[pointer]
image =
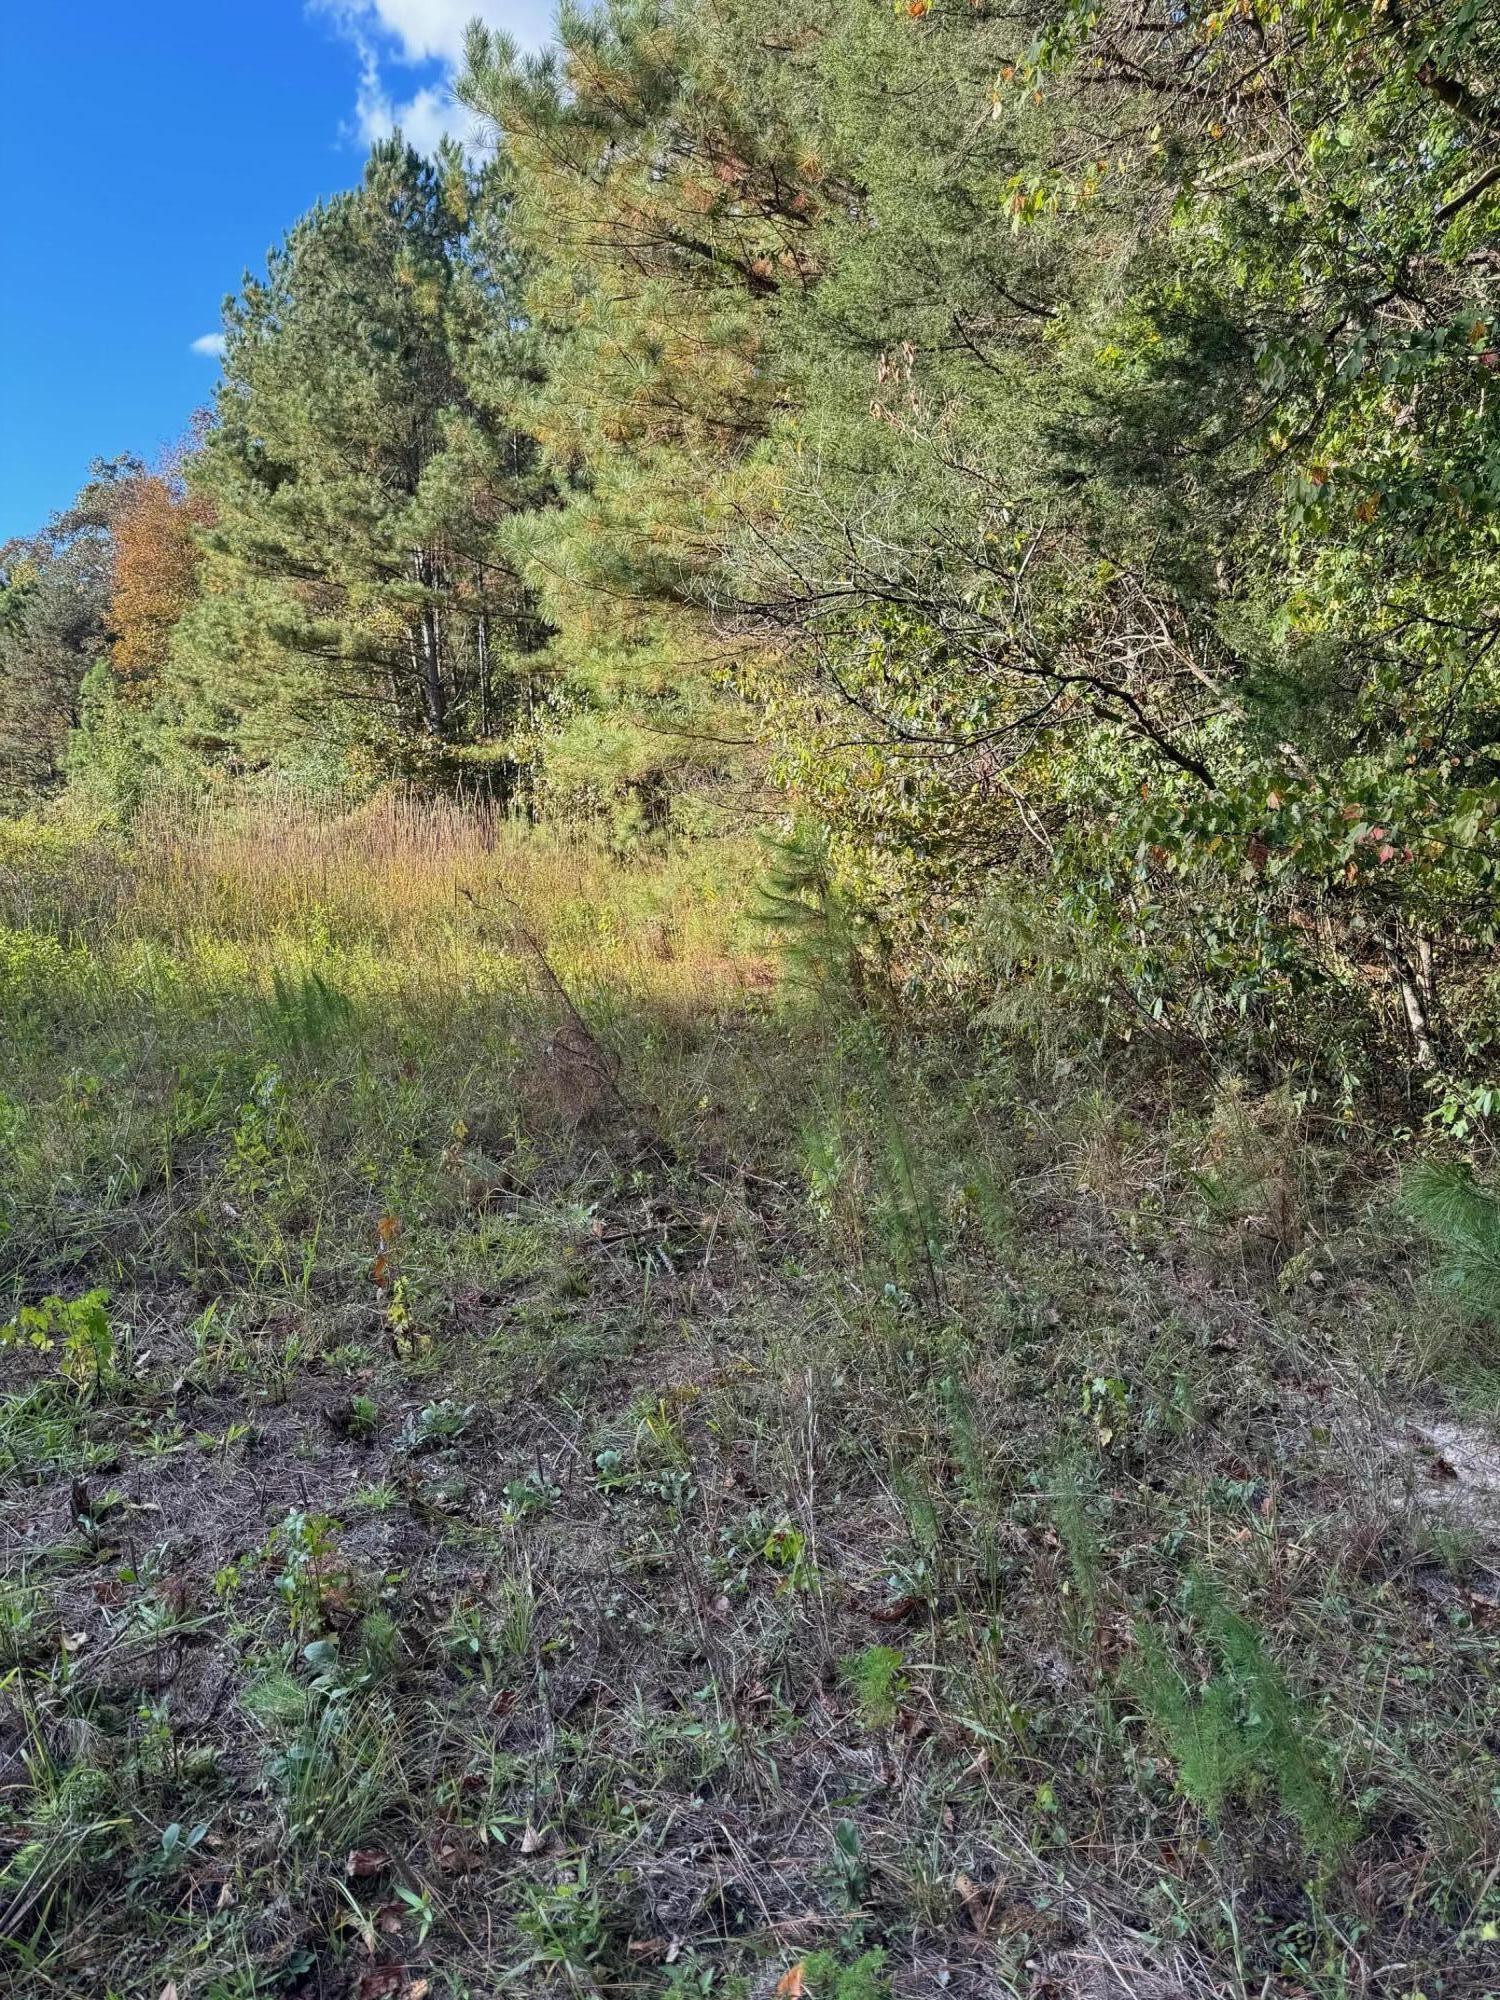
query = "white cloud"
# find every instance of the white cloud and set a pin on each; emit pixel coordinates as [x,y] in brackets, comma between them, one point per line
[211,344]
[424,119]
[422,32]
[429,115]
[433,30]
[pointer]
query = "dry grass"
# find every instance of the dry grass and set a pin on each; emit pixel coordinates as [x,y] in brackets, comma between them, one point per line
[419,883]
[610,1481]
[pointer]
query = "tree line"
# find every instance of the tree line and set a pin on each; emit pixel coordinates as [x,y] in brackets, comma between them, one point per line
[1052,443]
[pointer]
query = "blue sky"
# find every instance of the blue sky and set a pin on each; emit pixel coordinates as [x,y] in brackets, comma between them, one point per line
[149,153]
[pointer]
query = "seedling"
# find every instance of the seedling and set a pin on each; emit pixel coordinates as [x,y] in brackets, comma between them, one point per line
[81,1328]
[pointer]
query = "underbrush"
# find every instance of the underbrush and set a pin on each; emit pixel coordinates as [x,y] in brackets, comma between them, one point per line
[539,1458]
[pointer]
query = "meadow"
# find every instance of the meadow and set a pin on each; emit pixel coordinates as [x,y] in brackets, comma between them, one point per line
[550,1443]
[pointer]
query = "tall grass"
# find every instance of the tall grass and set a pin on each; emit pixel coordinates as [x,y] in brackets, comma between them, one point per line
[308,1005]
[399,887]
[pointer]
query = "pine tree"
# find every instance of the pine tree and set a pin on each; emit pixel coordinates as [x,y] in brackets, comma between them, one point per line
[666,202]
[363,454]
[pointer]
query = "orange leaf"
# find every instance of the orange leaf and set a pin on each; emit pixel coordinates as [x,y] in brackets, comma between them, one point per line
[793,1985]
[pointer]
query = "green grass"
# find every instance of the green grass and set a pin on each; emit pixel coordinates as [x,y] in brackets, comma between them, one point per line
[596,1473]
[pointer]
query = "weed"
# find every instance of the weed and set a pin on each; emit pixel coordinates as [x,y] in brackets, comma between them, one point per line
[81,1328]
[303,1012]
[21,1621]
[563,1923]
[850,1873]
[436,1424]
[877,1678]
[826,1976]
[337,1773]
[363,1419]
[532,1495]
[1242,1722]
[310,1577]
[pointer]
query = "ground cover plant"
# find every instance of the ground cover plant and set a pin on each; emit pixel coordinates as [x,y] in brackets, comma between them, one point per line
[551,1441]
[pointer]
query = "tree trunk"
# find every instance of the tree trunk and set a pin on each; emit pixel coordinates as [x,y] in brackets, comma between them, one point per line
[483,637]
[427,646]
[1418,990]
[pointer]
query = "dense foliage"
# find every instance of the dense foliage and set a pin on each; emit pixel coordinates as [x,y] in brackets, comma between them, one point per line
[1057,438]
[364,448]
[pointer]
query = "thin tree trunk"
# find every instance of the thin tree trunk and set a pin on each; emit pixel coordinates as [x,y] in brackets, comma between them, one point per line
[428,651]
[484,674]
[1418,990]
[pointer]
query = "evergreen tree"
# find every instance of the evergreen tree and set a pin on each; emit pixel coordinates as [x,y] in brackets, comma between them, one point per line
[364,450]
[665,200]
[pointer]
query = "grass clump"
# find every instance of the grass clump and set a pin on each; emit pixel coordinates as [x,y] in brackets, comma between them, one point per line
[878,1681]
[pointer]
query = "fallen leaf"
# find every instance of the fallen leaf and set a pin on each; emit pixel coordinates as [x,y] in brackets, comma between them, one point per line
[793,1985]
[896,1610]
[367,1861]
[979,1904]
[381,1980]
